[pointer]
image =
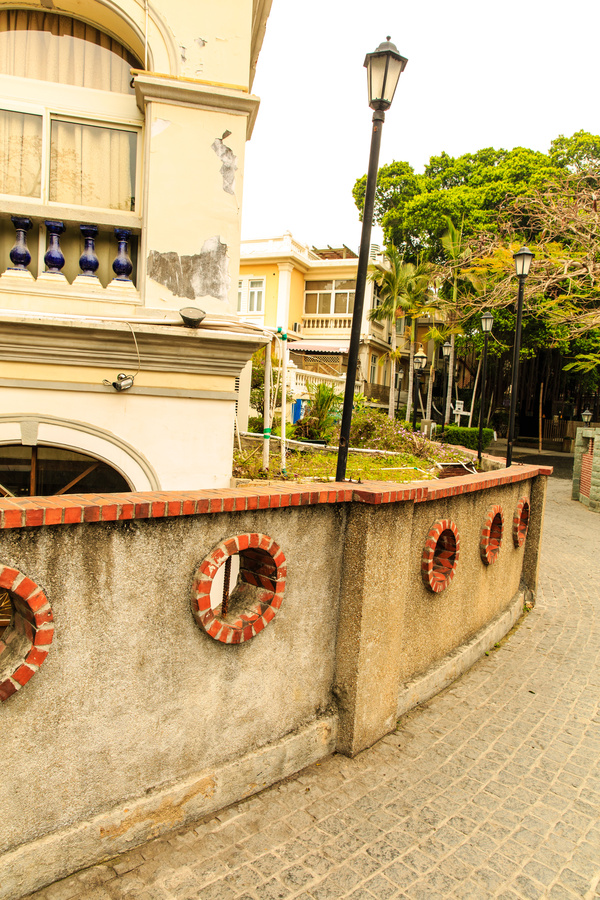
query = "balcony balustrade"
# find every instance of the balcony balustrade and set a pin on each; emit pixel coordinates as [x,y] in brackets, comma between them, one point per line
[57,254]
[319,324]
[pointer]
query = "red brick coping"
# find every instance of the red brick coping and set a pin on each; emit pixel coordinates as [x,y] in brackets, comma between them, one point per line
[491,536]
[521,522]
[25,642]
[256,597]
[73,509]
[440,555]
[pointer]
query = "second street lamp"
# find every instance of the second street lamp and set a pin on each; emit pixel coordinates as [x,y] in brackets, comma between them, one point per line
[419,363]
[522,260]
[487,322]
[384,68]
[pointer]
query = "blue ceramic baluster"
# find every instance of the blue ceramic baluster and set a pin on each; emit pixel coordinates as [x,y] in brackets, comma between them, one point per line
[20,255]
[122,266]
[54,257]
[88,261]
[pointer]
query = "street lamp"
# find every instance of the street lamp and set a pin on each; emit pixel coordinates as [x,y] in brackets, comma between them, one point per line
[522,260]
[419,363]
[487,321]
[384,68]
[446,348]
[586,415]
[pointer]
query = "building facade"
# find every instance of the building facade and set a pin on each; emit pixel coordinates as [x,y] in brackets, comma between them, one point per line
[122,135]
[309,293]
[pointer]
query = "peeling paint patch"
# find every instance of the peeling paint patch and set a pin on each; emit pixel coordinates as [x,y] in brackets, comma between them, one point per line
[201,42]
[182,51]
[229,162]
[158,126]
[203,274]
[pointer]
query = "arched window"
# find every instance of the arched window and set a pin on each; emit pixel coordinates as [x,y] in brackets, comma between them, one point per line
[51,471]
[69,131]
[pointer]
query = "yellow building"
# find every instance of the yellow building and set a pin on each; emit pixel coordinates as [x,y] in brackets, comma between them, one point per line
[309,293]
[122,135]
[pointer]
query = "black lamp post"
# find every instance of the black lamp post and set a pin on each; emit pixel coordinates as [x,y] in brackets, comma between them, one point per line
[446,348]
[419,363]
[487,321]
[384,68]
[522,260]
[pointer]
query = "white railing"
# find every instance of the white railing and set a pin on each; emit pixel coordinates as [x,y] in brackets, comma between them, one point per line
[299,379]
[326,323]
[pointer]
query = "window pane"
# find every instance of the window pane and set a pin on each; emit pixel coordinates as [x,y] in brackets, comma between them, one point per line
[341,303]
[50,47]
[345,285]
[20,154]
[351,302]
[319,285]
[310,303]
[324,305]
[92,166]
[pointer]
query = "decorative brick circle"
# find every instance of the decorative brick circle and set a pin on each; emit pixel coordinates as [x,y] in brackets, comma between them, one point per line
[256,596]
[491,536]
[25,640]
[440,555]
[521,522]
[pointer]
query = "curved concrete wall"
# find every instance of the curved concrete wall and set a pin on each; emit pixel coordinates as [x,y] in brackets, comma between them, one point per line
[145,715]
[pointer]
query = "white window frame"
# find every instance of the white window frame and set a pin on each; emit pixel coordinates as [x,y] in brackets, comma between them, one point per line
[84,106]
[332,293]
[251,288]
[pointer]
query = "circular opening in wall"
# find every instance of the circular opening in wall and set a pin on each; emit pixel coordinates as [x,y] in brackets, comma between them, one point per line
[239,588]
[26,630]
[521,522]
[6,611]
[440,555]
[491,536]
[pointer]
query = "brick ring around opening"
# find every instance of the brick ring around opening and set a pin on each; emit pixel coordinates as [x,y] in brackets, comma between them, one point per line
[491,536]
[521,522]
[440,555]
[25,641]
[256,596]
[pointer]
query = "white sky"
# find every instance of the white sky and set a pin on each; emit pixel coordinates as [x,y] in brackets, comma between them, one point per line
[479,74]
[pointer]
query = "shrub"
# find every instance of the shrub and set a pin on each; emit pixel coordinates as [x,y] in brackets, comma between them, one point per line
[318,422]
[255,424]
[372,428]
[467,437]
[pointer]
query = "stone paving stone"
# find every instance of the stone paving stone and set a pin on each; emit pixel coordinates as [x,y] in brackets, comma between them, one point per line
[489,790]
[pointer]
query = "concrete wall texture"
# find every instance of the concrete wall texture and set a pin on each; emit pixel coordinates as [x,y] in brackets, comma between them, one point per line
[586,468]
[139,720]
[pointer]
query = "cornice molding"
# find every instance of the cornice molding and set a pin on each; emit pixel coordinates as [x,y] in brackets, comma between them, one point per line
[151,86]
[162,348]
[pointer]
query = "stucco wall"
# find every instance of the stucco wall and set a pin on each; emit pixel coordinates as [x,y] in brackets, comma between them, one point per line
[138,720]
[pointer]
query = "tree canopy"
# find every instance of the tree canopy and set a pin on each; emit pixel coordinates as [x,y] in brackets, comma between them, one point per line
[470,189]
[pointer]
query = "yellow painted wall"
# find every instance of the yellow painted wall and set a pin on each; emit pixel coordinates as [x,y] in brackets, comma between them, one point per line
[270,273]
[96,375]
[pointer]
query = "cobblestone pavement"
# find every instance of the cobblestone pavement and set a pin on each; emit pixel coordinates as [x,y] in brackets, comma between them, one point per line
[492,789]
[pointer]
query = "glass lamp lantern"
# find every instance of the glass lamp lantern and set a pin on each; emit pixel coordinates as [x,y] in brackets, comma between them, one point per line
[420,360]
[384,68]
[487,322]
[522,260]
[586,415]
[446,348]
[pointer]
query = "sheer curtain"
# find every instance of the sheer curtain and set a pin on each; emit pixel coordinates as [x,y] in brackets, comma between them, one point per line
[20,154]
[58,48]
[90,165]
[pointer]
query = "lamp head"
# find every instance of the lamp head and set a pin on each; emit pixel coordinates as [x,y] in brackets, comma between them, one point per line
[384,68]
[446,348]
[586,415]
[420,360]
[487,322]
[522,260]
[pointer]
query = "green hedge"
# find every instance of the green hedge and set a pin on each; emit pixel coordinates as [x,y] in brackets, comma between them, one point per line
[467,437]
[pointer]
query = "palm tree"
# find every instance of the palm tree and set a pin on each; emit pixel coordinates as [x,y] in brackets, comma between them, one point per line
[454,272]
[403,291]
